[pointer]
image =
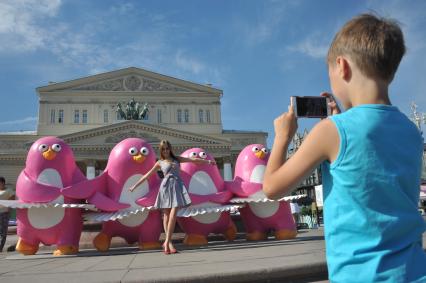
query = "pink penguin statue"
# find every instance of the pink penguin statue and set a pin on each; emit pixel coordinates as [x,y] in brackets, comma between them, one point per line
[50,167]
[259,217]
[128,161]
[205,187]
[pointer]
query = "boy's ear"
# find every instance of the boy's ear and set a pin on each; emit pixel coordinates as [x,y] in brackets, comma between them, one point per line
[344,68]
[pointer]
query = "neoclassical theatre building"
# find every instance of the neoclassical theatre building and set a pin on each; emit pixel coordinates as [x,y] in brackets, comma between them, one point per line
[82,112]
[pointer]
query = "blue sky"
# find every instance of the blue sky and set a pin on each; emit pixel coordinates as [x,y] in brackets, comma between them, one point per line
[258,52]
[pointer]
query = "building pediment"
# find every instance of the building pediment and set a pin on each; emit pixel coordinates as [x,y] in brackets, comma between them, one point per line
[128,80]
[106,137]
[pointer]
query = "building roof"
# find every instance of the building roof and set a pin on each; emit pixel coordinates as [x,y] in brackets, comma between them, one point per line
[243,132]
[72,84]
[19,133]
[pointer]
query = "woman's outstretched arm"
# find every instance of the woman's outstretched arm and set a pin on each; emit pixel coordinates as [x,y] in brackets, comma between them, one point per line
[195,160]
[146,176]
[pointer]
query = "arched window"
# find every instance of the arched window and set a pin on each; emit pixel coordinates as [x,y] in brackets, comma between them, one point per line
[179,116]
[186,116]
[201,115]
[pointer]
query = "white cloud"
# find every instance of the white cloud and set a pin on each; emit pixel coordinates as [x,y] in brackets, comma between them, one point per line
[122,8]
[262,31]
[266,24]
[187,63]
[411,18]
[19,27]
[150,49]
[27,120]
[410,76]
[33,26]
[312,46]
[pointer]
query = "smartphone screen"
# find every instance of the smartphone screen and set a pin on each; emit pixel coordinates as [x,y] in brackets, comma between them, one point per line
[311,106]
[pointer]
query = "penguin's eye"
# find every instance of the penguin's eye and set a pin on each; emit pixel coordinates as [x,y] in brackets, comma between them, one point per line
[255,149]
[144,151]
[43,147]
[133,151]
[203,155]
[192,155]
[56,147]
[265,150]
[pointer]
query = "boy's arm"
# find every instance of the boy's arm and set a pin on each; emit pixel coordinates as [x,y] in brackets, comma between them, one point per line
[282,176]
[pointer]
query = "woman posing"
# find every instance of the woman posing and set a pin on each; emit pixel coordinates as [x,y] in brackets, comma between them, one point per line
[172,194]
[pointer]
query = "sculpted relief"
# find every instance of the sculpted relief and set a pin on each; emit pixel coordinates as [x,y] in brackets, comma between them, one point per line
[242,142]
[131,83]
[131,134]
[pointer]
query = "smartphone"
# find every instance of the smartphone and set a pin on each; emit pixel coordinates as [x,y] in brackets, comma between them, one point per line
[311,106]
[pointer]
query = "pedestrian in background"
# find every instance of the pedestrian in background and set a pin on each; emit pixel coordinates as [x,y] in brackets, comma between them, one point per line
[5,194]
[295,211]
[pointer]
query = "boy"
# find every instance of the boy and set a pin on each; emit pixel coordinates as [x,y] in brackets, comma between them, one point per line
[371,159]
[5,194]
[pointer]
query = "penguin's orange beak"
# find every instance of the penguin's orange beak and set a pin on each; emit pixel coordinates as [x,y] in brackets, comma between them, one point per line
[139,158]
[49,154]
[260,154]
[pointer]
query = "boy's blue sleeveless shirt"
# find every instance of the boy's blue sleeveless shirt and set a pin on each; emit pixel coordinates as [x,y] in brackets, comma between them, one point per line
[373,229]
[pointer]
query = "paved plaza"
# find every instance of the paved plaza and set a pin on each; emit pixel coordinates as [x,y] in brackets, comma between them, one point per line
[298,260]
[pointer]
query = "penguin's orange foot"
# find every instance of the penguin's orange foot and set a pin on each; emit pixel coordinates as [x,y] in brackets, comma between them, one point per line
[26,249]
[102,242]
[256,236]
[149,245]
[231,233]
[285,234]
[65,250]
[195,240]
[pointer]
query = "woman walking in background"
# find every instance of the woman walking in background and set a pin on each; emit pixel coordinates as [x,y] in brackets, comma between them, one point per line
[172,194]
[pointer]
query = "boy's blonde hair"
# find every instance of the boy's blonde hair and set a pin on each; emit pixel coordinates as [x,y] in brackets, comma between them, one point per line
[376,45]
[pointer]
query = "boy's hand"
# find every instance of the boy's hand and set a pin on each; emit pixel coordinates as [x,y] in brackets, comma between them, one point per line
[333,105]
[285,126]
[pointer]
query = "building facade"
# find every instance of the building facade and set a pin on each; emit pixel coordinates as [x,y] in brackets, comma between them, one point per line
[82,112]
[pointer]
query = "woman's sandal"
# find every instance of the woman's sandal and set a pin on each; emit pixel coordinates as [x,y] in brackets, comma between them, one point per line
[173,250]
[166,250]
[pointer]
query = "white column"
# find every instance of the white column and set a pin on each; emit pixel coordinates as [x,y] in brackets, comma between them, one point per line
[227,171]
[90,170]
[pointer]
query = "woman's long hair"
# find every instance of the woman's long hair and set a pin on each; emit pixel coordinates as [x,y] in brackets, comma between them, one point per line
[166,144]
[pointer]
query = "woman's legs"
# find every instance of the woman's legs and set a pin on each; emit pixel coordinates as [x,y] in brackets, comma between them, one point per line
[166,213]
[171,227]
[166,216]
